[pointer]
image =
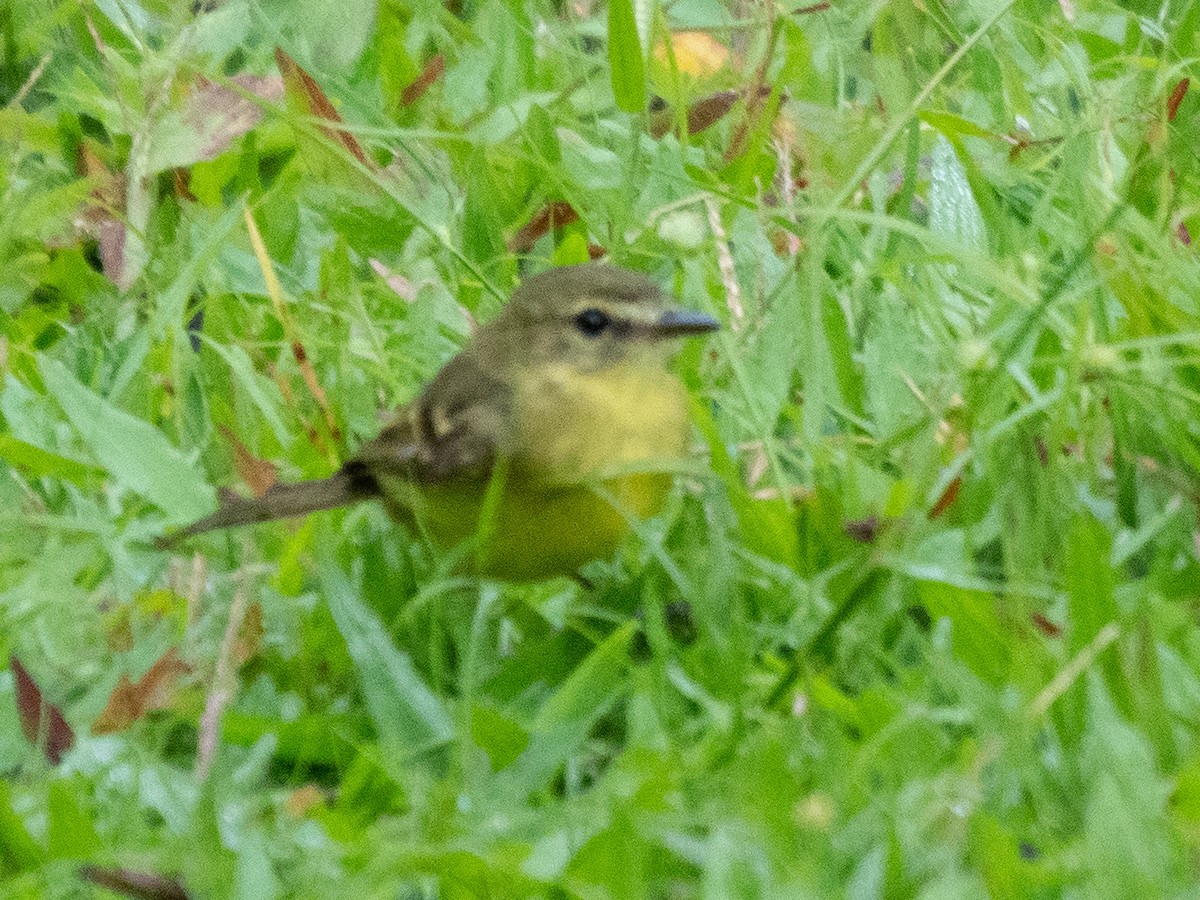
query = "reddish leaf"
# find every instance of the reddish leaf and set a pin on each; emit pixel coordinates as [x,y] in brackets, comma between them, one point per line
[432,72]
[317,103]
[132,700]
[112,252]
[553,215]
[1185,236]
[1176,98]
[944,502]
[702,114]
[259,474]
[139,885]
[1045,626]
[709,110]
[813,8]
[40,721]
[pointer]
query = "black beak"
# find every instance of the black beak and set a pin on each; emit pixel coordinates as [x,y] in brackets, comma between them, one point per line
[675,323]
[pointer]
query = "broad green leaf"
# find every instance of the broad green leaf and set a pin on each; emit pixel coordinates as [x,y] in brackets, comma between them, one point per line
[768,526]
[18,851]
[979,640]
[335,34]
[1090,580]
[564,721]
[172,301]
[134,453]
[953,210]
[72,834]
[262,391]
[409,718]
[38,463]
[1126,840]
[953,126]
[625,57]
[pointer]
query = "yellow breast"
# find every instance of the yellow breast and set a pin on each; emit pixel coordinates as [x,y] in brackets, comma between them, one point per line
[574,426]
[573,482]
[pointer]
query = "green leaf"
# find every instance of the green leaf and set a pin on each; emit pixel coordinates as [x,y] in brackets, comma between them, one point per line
[953,210]
[72,835]
[409,718]
[625,57]
[262,391]
[953,126]
[1090,581]
[768,526]
[979,640]
[131,450]
[18,852]
[565,720]
[38,463]
[1126,839]
[172,301]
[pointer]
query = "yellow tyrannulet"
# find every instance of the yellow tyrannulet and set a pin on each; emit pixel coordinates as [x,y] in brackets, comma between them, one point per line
[550,429]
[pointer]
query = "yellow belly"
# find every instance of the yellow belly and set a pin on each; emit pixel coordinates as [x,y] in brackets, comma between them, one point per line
[537,532]
[572,483]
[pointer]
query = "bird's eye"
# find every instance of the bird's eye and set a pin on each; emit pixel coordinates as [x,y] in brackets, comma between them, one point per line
[592,322]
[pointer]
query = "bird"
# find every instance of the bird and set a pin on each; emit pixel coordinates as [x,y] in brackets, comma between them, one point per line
[542,440]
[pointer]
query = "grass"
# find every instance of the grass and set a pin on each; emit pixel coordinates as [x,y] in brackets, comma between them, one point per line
[921,618]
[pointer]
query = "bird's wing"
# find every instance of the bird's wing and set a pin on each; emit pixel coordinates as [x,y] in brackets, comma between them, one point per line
[455,429]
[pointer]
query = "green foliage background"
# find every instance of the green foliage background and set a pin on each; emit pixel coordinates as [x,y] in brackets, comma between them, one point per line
[942,562]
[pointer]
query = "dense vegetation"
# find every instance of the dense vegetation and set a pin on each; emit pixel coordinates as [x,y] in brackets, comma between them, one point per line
[921,617]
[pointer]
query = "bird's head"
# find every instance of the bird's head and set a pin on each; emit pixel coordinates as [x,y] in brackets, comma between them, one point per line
[595,316]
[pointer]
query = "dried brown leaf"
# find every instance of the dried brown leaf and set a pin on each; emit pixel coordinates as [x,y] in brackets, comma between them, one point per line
[944,502]
[432,72]
[317,103]
[707,111]
[865,531]
[554,214]
[131,700]
[260,475]
[1176,98]
[102,213]
[1045,626]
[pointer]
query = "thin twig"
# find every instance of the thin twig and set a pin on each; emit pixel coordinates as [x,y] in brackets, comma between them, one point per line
[733,295]
[31,80]
[1072,670]
[224,680]
[275,292]
[195,588]
[787,192]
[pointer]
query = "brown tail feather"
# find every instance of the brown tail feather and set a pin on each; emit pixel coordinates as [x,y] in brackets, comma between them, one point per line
[281,502]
